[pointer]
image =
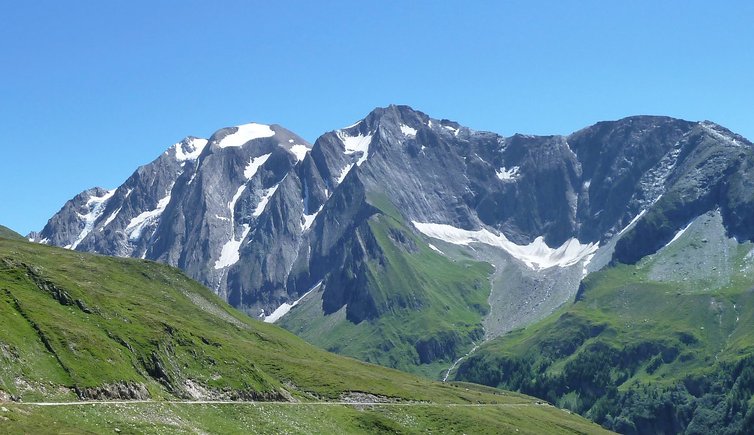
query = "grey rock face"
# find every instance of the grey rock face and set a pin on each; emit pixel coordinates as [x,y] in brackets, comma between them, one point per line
[261,216]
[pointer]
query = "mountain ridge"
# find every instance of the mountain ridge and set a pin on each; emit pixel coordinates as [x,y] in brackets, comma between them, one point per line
[612,192]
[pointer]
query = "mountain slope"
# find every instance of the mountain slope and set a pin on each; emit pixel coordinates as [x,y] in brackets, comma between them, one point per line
[353,229]
[82,326]
[8,233]
[661,346]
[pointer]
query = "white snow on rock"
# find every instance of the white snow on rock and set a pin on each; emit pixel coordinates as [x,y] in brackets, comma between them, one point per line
[344,172]
[190,150]
[283,309]
[632,223]
[299,151]
[96,206]
[452,129]
[137,224]
[309,219]
[231,250]
[111,217]
[408,131]
[254,164]
[265,199]
[678,235]
[435,248]
[536,255]
[507,174]
[245,133]
[354,144]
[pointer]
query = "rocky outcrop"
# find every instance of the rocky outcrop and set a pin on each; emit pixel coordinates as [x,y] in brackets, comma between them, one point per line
[115,391]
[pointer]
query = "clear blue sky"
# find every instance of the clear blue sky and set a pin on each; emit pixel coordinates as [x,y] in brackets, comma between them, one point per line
[89,90]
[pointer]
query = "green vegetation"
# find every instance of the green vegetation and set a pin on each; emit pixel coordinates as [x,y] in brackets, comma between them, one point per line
[8,233]
[429,307]
[76,325]
[276,418]
[646,348]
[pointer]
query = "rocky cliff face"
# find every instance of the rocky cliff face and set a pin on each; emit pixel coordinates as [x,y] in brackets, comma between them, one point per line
[262,217]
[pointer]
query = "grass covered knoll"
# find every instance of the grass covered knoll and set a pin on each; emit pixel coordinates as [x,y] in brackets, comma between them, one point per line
[80,326]
[664,346]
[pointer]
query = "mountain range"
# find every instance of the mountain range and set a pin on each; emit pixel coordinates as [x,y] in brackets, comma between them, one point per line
[409,241]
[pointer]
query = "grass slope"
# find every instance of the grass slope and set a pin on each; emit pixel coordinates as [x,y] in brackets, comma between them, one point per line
[432,306]
[307,418]
[8,233]
[647,348]
[76,325]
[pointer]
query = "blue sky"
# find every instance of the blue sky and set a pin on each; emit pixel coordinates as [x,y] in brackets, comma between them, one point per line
[89,90]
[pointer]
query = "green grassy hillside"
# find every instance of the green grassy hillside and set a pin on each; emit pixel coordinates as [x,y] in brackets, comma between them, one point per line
[8,233]
[663,346]
[429,307]
[76,326]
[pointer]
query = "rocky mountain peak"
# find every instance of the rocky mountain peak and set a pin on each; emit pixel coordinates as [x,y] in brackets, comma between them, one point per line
[263,218]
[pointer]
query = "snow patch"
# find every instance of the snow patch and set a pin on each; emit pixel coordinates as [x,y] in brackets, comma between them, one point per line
[309,219]
[632,223]
[299,151]
[452,129]
[354,144]
[408,131]
[245,133]
[435,248]
[137,224]
[111,217]
[344,172]
[283,309]
[536,255]
[678,235]
[190,150]
[507,174]
[265,199]
[254,164]
[585,270]
[96,206]
[231,250]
